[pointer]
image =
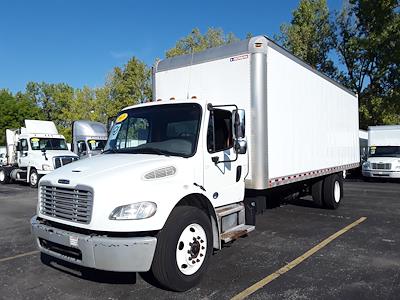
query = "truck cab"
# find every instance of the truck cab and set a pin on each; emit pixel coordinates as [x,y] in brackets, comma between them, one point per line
[88,138]
[383,152]
[167,165]
[34,151]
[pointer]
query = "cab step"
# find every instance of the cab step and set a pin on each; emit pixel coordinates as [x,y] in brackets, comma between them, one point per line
[236,232]
[228,209]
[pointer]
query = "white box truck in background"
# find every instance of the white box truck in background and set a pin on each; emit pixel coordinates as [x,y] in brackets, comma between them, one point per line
[245,118]
[383,152]
[33,151]
[88,138]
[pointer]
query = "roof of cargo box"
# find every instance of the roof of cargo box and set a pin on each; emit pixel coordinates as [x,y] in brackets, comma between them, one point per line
[384,127]
[89,128]
[38,126]
[233,49]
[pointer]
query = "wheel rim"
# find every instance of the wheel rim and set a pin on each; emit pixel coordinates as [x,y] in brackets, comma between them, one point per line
[191,249]
[33,178]
[2,175]
[336,192]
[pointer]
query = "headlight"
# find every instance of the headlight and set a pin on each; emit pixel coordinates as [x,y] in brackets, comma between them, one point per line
[134,211]
[366,165]
[398,167]
[46,168]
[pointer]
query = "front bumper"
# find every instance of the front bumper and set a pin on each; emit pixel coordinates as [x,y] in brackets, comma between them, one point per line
[119,254]
[381,173]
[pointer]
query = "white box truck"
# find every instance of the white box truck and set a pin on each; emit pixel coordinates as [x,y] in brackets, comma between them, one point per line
[383,152]
[88,138]
[185,173]
[33,151]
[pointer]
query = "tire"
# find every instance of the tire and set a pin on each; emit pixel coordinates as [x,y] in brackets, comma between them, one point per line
[317,193]
[33,178]
[174,243]
[4,176]
[333,191]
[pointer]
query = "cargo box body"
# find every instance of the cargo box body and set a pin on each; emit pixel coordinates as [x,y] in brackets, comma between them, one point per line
[386,135]
[299,123]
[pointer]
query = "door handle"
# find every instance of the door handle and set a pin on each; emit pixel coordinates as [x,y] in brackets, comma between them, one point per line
[238,173]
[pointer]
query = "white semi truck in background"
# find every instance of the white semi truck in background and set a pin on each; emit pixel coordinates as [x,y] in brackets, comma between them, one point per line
[228,129]
[383,152]
[88,138]
[33,151]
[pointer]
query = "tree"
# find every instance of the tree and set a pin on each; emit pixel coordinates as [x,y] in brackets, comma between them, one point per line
[310,35]
[51,98]
[368,43]
[127,86]
[14,110]
[196,42]
[82,106]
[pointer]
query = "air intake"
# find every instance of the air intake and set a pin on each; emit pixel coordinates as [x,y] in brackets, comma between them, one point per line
[160,173]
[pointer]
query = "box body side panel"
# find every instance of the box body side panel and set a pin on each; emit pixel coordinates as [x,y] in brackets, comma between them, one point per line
[312,123]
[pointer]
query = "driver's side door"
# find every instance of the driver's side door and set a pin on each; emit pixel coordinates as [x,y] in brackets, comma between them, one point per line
[23,158]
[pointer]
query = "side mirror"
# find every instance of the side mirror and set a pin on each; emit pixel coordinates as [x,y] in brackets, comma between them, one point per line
[241,147]
[19,148]
[238,124]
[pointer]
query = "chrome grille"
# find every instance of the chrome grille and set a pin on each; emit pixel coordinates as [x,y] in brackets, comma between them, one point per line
[60,161]
[381,166]
[66,203]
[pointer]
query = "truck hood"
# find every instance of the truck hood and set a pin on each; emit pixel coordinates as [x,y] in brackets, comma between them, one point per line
[93,170]
[392,160]
[54,153]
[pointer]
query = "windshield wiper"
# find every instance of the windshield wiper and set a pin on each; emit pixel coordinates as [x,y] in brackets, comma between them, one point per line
[150,150]
[111,150]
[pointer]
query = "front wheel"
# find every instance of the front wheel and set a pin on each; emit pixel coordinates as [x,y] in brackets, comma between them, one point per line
[4,177]
[33,178]
[183,249]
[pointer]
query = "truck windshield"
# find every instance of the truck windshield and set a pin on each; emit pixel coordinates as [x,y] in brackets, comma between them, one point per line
[96,145]
[48,144]
[384,151]
[169,129]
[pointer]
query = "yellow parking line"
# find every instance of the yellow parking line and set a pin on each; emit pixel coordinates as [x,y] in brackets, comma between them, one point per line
[18,255]
[258,285]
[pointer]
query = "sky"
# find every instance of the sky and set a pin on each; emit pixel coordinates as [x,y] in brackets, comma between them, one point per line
[79,42]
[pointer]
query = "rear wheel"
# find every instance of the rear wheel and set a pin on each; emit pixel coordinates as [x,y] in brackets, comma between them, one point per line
[33,178]
[333,191]
[4,176]
[183,249]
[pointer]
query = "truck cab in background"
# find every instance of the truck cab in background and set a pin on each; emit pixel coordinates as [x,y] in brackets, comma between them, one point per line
[34,151]
[88,138]
[383,152]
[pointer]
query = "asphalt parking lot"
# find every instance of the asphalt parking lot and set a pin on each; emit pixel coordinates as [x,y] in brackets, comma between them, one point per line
[362,263]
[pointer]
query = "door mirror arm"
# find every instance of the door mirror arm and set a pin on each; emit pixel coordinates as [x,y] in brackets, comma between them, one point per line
[216,160]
